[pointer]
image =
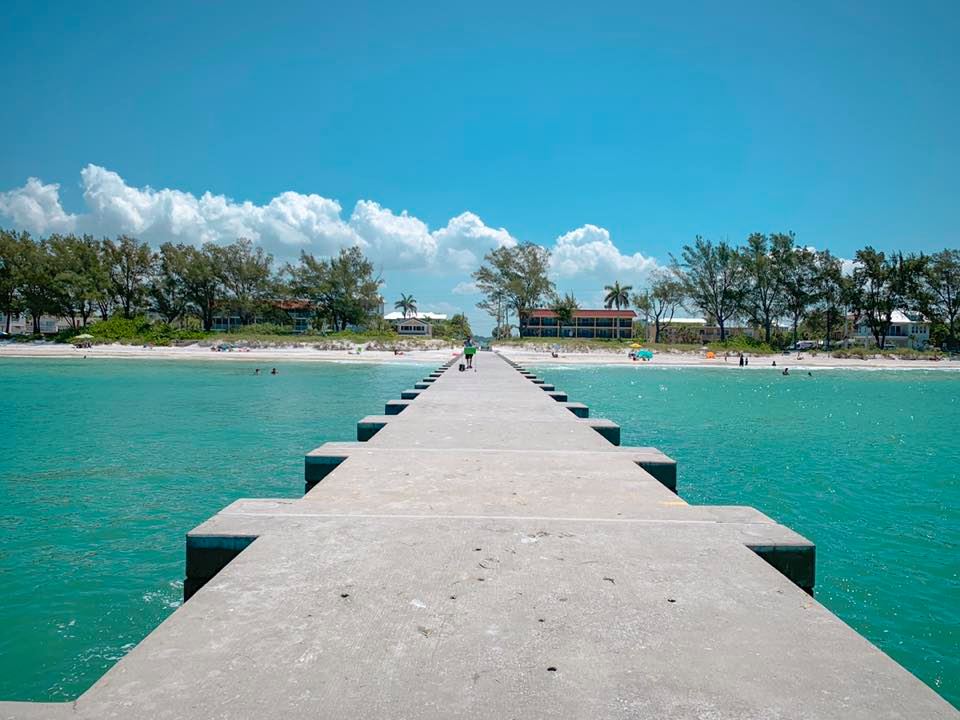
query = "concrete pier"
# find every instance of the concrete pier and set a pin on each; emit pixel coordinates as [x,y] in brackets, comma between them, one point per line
[489,552]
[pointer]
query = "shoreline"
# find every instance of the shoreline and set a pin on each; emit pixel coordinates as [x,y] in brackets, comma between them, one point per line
[598,358]
[697,360]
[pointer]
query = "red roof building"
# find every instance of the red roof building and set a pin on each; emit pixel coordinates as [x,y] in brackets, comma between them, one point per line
[586,324]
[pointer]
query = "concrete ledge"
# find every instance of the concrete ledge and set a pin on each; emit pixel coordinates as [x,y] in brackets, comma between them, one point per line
[558,395]
[547,386]
[395,407]
[429,380]
[370,425]
[537,381]
[209,554]
[410,394]
[657,464]
[321,461]
[421,386]
[607,428]
[798,563]
[578,409]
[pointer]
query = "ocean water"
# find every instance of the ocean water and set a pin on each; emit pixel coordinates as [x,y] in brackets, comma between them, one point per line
[864,463]
[105,465]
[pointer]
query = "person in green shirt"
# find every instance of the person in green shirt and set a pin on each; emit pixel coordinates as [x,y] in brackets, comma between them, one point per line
[469,350]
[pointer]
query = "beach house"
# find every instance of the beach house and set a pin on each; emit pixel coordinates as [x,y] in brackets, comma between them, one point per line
[418,324]
[298,313]
[585,324]
[22,324]
[907,330]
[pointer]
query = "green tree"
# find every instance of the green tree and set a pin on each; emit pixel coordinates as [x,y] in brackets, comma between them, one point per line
[800,285]
[168,289]
[200,274]
[35,272]
[407,304]
[618,295]
[129,264]
[882,285]
[514,278]
[833,290]
[763,263]
[246,273]
[939,296]
[565,309]
[660,300]
[344,288]
[460,327]
[11,249]
[714,279]
[80,280]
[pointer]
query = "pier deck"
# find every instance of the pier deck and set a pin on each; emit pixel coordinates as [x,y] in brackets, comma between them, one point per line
[487,553]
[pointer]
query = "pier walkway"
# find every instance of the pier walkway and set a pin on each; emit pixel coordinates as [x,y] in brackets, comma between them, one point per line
[486,550]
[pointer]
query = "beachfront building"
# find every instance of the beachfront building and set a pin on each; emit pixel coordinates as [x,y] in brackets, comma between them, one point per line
[414,327]
[298,313]
[418,324]
[22,324]
[695,330]
[586,324]
[907,330]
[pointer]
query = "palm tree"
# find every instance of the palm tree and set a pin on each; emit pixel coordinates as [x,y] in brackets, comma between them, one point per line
[407,304]
[618,295]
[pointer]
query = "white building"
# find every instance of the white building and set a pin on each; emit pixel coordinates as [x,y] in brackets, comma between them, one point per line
[397,316]
[907,329]
[414,324]
[22,324]
[414,327]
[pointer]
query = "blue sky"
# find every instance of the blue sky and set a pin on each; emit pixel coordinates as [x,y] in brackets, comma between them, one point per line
[622,129]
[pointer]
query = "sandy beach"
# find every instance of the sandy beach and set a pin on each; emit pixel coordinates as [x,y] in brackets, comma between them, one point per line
[202,353]
[807,361]
[527,356]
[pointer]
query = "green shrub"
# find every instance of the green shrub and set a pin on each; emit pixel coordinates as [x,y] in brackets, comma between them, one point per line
[742,343]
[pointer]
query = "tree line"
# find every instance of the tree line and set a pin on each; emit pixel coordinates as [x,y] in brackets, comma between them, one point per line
[82,278]
[767,280]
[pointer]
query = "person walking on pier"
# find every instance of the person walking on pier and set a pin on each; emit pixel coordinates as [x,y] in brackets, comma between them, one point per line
[469,350]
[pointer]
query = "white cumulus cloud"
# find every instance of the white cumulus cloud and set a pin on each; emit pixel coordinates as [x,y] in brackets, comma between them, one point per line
[466,287]
[36,207]
[588,250]
[288,223]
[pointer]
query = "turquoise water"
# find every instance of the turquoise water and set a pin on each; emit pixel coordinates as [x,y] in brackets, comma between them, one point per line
[864,463]
[107,464]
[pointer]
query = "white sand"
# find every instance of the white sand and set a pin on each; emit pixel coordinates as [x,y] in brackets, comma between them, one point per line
[808,361]
[196,352]
[523,355]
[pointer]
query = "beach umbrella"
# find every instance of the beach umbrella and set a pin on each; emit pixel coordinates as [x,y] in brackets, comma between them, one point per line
[645,354]
[84,336]
[636,345]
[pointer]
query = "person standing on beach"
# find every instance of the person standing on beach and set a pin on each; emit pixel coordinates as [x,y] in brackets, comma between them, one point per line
[741,359]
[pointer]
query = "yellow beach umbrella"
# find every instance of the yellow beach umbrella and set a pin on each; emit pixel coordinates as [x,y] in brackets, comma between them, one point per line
[636,345]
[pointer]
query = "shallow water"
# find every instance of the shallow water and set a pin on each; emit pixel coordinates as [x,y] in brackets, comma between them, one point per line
[864,463]
[107,464]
